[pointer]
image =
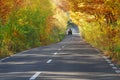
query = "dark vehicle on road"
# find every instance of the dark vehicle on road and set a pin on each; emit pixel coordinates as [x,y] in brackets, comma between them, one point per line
[69,32]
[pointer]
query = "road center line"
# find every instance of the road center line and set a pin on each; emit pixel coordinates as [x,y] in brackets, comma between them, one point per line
[114,68]
[111,65]
[104,57]
[50,60]
[97,50]
[109,62]
[35,76]
[59,49]
[55,53]
[117,71]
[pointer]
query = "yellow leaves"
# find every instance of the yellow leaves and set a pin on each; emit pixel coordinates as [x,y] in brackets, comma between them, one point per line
[30,23]
[100,21]
[81,18]
[76,17]
[49,25]
[63,4]
[60,18]
[20,21]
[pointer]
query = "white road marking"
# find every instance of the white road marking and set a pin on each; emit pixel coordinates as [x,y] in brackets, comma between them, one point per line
[107,60]
[117,71]
[4,58]
[14,55]
[50,60]
[111,64]
[97,50]
[104,57]
[35,76]
[114,68]
[59,49]
[55,53]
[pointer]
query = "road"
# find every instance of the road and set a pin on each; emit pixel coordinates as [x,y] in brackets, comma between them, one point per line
[71,59]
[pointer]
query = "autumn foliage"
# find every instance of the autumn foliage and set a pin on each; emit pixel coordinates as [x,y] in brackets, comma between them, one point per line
[29,23]
[25,24]
[99,22]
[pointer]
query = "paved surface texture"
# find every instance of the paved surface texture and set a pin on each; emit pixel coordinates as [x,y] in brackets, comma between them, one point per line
[71,59]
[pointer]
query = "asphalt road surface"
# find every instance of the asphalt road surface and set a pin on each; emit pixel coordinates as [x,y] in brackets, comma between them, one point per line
[71,59]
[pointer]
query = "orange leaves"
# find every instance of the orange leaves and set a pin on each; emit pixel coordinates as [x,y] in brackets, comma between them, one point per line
[49,24]
[98,1]
[18,2]
[63,4]
[5,8]
[104,23]
[109,9]
[94,6]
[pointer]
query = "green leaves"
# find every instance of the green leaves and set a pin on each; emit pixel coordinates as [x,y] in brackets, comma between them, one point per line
[28,24]
[102,30]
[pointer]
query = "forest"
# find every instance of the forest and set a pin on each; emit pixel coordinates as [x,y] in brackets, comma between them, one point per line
[99,23]
[25,24]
